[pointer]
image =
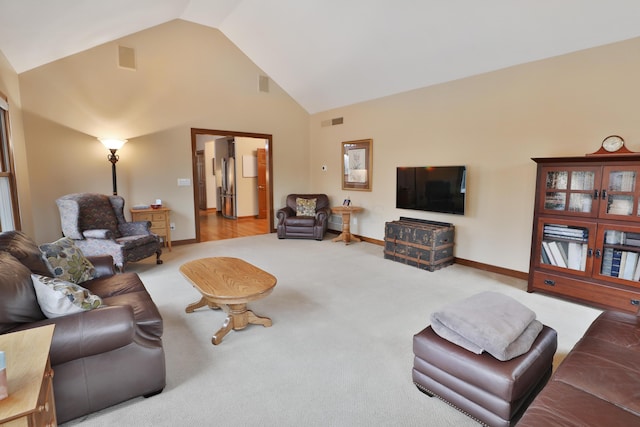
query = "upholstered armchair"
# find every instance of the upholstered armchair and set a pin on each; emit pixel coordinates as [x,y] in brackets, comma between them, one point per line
[306,216]
[97,225]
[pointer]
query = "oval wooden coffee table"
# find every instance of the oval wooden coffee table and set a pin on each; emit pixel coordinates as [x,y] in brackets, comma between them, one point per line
[229,283]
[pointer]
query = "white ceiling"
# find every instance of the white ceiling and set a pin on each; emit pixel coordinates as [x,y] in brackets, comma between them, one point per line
[332,53]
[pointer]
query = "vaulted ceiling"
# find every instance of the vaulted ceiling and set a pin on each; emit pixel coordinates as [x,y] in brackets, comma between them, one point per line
[332,53]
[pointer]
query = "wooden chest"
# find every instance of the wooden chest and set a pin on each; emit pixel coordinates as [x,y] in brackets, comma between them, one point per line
[420,243]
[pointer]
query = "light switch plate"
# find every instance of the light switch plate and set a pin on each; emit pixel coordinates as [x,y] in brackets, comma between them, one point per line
[184,182]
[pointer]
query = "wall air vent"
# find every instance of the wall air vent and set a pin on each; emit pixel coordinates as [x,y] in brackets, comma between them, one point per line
[332,122]
[263,84]
[126,57]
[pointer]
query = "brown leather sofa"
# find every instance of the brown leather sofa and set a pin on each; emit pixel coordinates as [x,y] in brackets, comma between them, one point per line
[598,382]
[292,226]
[100,357]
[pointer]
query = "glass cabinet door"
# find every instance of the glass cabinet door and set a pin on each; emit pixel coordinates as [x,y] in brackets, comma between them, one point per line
[571,191]
[618,253]
[619,195]
[566,245]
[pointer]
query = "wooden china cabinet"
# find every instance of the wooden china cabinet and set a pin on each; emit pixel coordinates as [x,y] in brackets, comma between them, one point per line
[586,230]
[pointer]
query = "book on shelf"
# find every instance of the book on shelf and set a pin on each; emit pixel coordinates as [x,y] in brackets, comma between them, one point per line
[557,255]
[614,237]
[566,232]
[622,180]
[630,265]
[557,179]
[623,263]
[632,239]
[620,207]
[574,255]
[636,274]
[562,247]
[583,260]
[607,260]
[547,256]
[615,263]
[544,255]
[582,180]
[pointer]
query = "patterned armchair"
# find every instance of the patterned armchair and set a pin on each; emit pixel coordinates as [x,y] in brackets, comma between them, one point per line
[97,225]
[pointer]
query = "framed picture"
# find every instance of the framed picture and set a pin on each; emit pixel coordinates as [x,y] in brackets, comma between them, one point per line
[357,159]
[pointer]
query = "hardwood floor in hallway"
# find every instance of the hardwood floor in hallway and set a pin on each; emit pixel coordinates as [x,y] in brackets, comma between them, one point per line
[215,227]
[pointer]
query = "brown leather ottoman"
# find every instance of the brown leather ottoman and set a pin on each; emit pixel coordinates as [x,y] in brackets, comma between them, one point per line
[492,392]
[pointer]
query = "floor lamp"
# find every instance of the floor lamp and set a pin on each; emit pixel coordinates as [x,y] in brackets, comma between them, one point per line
[113,145]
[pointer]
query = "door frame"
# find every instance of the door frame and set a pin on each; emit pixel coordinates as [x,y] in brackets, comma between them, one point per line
[268,147]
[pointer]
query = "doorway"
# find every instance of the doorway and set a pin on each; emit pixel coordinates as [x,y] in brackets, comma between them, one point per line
[210,224]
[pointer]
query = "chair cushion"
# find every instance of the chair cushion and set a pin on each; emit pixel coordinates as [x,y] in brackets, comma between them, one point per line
[305,207]
[59,298]
[300,221]
[67,262]
[130,242]
[96,212]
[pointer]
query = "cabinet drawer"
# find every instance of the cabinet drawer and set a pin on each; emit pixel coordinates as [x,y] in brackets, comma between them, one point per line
[621,299]
[160,231]
[149,216]
[142,217]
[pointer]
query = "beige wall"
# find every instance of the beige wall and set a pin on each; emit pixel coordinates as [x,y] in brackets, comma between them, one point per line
[192,76]
[188,76]
[494,124]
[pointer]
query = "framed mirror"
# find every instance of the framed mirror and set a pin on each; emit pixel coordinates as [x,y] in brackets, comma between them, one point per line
[357,160]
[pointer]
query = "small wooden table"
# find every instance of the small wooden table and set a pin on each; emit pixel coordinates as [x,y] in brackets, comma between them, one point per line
[346,212]
[160,222]
[229,283]
[29,374]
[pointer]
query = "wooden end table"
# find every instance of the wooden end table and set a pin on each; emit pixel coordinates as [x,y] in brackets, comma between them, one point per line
[29,374]
[346,212]
[229,283]
[160,222]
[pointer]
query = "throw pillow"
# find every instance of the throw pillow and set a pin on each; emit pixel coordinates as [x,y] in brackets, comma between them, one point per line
[66,261]
[59,298]
[305,207]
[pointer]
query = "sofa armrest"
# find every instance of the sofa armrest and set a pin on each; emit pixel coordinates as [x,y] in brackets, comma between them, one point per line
[284,213]
[98,233]
[89,333]
[103,264]
[323,214]
[135,228]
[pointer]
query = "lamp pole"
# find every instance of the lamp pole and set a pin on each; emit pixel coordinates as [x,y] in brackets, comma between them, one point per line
[113,158]
[113,145]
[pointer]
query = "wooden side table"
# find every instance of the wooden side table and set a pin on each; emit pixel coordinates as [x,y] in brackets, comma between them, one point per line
[160,222]
[346,212]
[30,402]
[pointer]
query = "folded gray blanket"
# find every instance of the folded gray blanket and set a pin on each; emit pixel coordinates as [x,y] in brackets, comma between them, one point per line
[488,321]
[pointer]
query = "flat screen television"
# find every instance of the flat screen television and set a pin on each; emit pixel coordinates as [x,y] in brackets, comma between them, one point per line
[432,188]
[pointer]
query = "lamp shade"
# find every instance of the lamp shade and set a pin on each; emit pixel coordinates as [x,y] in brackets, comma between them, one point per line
[112,143]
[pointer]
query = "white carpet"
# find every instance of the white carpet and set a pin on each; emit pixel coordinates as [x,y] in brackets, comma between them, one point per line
[339,352]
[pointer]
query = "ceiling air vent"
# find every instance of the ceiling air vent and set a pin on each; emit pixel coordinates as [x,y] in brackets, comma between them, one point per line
[126,58]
